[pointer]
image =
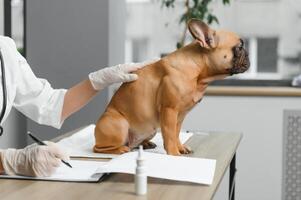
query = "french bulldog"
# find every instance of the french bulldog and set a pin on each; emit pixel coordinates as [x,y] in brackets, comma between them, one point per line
[167,90]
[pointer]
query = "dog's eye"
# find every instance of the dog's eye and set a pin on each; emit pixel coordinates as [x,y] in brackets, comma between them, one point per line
[241,45]
[237,50]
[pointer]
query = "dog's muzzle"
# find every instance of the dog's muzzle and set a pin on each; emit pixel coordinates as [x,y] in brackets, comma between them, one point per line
[241,62]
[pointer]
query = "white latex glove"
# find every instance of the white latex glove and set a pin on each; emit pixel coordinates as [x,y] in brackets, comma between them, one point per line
[116,74]
[34,160]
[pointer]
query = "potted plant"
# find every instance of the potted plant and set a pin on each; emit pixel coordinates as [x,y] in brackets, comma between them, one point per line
[198,9]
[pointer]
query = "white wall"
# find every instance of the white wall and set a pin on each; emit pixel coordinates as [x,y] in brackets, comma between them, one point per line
[116,32]
[259,157]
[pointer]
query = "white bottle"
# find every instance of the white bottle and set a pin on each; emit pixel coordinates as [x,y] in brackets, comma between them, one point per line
[140,177]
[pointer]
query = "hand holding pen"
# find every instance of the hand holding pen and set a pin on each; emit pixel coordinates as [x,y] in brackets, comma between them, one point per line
[40,142]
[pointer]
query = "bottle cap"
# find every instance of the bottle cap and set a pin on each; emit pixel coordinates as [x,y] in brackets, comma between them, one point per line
[140,151]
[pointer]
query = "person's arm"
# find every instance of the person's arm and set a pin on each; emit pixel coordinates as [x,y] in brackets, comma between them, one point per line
[80,94]
[77,97]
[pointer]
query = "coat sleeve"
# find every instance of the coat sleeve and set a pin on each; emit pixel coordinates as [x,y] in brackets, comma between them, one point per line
[35,97]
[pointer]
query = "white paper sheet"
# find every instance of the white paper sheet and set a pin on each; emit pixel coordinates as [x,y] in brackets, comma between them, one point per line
[81,143]
[179,168]
[195,170]
[81,171]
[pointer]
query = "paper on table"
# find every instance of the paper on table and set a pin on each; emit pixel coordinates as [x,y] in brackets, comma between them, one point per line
[81,143]
[81,171]
[195,170]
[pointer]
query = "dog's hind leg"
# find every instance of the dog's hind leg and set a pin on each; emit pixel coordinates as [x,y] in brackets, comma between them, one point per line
[147,144]
[111,134]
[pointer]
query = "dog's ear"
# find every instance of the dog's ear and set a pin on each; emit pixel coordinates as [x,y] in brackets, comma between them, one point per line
[202,33]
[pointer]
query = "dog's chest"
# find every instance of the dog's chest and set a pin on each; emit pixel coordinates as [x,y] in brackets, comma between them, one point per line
[191,98]
[191,91]
[197,96]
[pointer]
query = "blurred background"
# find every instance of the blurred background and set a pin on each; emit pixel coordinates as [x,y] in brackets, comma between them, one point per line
[152,29]
[64,40]
[271,29]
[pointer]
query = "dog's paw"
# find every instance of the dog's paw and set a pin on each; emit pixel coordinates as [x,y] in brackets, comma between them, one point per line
[120,150]
[123,149]
[185,149]
[148,145]
[173,153]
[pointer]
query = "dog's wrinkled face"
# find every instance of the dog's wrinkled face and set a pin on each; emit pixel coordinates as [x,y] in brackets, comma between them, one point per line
[225,49]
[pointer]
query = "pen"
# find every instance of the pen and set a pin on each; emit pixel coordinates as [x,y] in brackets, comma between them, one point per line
[39,142]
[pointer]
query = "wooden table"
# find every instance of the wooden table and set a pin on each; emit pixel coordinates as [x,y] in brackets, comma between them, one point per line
[219,146]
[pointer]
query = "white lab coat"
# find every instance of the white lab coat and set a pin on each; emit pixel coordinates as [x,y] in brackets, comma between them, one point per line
[32,96]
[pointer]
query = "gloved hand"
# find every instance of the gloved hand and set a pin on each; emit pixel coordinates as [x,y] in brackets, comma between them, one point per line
[116,74]
[34,160]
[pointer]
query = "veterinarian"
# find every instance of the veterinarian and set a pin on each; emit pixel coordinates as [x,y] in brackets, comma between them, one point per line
[35,98]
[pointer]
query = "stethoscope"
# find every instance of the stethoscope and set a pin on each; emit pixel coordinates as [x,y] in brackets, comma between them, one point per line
[3,91]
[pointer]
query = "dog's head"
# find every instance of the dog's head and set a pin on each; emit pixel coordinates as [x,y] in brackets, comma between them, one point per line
[225,49]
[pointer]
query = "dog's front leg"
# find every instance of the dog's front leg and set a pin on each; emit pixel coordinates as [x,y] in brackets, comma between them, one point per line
[168,121]
[182,148]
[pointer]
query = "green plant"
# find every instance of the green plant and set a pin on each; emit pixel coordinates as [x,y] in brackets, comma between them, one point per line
[198,9]
[21,50]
